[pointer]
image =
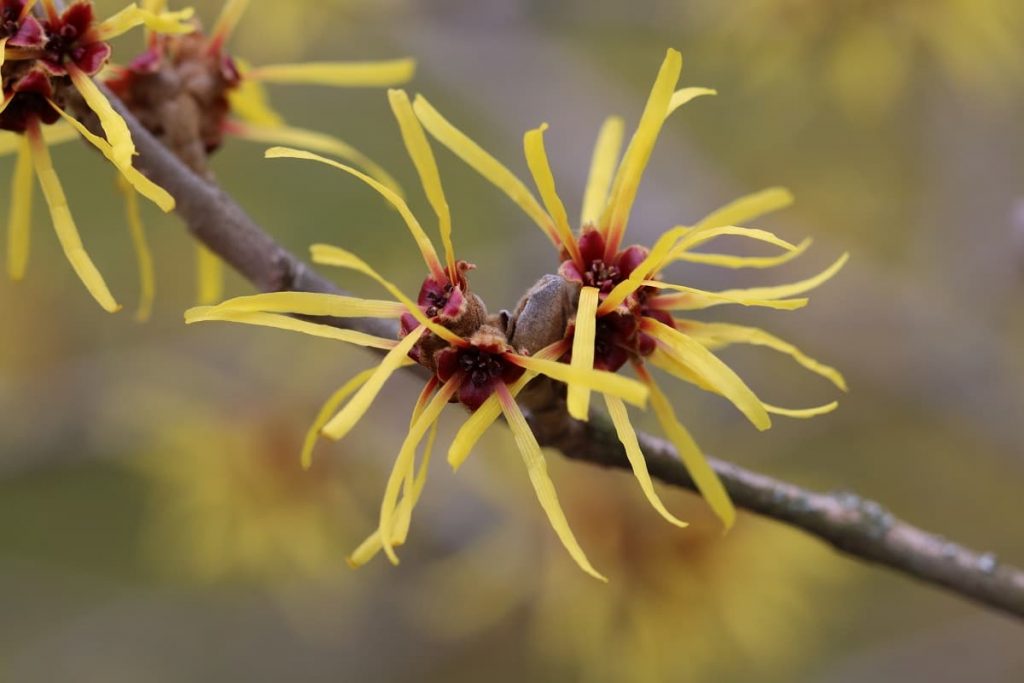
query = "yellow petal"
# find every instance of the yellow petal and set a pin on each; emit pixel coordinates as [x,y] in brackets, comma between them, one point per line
[802,413]
[369,548]
[627,180]
[718,335]
[326,411]
[64,224]
[602,169]
[537,468]
[697,238]
[670,364]
[314,304]
[342,423]
[229,17]
[747,208]
[209,276]
[114,127]
[422,241]
[342,74]
[405,463]
[627,437]
[132,16]
[730,261]
[484,416]
[583,350]
[537,160]
[250,101]
[684,95]
[484,164]
[19,220]
[422,156]
[3,48]
[707,481]
[316,142]
[709,367]
[329,255]
[283,322]
[696,299]
[674,367]
[143,185]
[629,390]
[143,255]
[794,289]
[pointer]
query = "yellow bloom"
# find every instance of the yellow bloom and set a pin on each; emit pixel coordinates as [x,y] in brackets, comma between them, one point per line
[447,331]
[624,310]
[193,114]
[43,61]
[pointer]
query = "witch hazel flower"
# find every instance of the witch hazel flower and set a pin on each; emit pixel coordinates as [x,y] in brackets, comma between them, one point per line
[48,63]
[623,308]
[447,331]
[192,93]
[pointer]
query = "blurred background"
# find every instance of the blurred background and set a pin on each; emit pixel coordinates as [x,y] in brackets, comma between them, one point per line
[155,524]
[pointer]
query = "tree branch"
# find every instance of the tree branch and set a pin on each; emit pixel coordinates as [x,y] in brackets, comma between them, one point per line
[858,527]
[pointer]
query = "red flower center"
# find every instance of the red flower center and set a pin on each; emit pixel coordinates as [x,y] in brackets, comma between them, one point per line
[481,366]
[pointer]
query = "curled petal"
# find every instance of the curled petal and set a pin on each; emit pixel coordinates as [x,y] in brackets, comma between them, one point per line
[707,481]
[537,468]
[627,437]
[281,134]
[326,411]
[747,208]
[403,469]
[283,322]
[143,185]
[634,162]
[342,423]
[793,289]
[64,224]
[710,368]
[730,261]
[537,160]
[718,335]
[684,95]
[114,126]
[486,165]
[422,156]
[422,240]
[314,304]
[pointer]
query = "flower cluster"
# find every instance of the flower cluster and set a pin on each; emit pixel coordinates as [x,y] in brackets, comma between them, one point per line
[624,308]
[191,93]
[620,312]
[48,60]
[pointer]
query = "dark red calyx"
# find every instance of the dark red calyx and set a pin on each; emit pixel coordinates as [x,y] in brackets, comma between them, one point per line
[597,270]
[71,39]
[479,367]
